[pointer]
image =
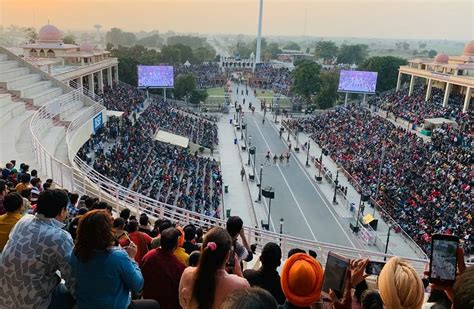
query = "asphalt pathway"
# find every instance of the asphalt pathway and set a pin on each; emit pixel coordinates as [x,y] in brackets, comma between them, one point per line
[297,200]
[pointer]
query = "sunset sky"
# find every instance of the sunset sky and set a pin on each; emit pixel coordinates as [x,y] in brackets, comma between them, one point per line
[435,19]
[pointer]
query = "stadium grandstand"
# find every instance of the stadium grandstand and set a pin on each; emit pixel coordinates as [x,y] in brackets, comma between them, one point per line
[113,197]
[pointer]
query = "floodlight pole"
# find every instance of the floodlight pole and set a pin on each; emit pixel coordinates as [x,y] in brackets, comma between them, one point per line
[378,179]
[259,35]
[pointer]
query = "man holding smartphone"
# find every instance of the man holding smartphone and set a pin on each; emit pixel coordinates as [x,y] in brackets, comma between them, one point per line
[242,250]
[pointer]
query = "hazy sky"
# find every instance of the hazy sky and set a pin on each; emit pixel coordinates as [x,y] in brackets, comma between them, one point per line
[434,19]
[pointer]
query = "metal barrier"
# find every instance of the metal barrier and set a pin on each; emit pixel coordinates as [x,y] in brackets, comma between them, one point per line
[82,179]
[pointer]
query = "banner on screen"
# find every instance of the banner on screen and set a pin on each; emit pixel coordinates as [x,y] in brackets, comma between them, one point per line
[357,81]
[155,76]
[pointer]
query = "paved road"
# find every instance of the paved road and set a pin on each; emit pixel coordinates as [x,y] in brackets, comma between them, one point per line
[306,213]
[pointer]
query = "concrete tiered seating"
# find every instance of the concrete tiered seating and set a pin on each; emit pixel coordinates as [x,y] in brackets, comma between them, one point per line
[29,87]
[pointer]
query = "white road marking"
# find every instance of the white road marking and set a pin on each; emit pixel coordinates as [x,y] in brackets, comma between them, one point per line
[322,198]
[287,184]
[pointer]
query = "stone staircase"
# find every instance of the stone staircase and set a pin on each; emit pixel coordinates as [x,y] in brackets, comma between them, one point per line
[22,93]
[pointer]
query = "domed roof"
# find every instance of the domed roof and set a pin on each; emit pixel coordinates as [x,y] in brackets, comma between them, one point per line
[86,47]
[441,58]
[49,33]
[469,48]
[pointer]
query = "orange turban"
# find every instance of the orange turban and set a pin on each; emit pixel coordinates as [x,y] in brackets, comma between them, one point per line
[181,237]
[302,280]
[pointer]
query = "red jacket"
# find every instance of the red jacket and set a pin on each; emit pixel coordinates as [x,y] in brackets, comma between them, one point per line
[162,273]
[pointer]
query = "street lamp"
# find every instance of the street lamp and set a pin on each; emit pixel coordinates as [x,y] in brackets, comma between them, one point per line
[281,225]
[386,243]
[260,185]
[363,198]
[288,138]
[378,179]
[334,200]
[307,153]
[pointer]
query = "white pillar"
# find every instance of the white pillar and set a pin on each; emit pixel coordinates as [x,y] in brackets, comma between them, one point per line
[116,74]
[412,84]
[399,80]
[109,76]
[100,80]
[467,100]
[259,33]
[91,83]
[428,89]
[79,82]
[447,91]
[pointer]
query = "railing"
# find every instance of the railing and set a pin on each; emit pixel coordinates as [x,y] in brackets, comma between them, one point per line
[86,91]
[82,179]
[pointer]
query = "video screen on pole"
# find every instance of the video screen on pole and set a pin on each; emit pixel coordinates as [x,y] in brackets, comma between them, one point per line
[155,76]
[357,81]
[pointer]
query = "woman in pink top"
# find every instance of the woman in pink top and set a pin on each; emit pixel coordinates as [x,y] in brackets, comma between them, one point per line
[206,285]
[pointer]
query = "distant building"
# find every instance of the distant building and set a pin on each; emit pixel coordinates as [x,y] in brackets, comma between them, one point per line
[452,74]
[77,65]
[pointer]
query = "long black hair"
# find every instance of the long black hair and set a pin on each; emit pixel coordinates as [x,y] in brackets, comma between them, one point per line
[210,262]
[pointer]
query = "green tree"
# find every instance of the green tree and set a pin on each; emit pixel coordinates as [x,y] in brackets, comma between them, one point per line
[422,45]
[191,41]
[387,69]
[432,53]
[151,41]
[118,37]
[203,54]
[185,53]
[184,86]
[306,79]
[326,50]
[327,94]
[271,51]
[244,50]
[198,96]
[69,39]
[170,55]
[31,35]
[352,54]
[292,46]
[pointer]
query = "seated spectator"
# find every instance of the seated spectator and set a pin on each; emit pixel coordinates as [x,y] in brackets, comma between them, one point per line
[267,276]
[189,239]
[36,189]
[194,258]
[301,281]
[74,224]
[140,239]
[3,192]
[250,298]
[162,271]
[104,275]
[24,183]
[295,251]
[180,253]
[12,203]
[40,243]
[463,290]
[371,299]
[400,286]
[234,227]
[144,224]
[207,285]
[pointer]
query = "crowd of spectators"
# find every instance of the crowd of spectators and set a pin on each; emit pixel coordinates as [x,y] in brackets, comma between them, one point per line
[72,252]
[425,185]
[278,80]
[206,75]
[127,152]
[415,109]
[122,97]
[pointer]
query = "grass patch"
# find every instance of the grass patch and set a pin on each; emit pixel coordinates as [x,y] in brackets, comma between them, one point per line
[215,91]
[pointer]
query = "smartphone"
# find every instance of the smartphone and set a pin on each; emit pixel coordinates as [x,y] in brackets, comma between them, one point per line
[374,268]
[335,273]
[443,260]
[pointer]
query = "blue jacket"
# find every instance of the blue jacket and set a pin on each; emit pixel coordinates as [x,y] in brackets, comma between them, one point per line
[106,280]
